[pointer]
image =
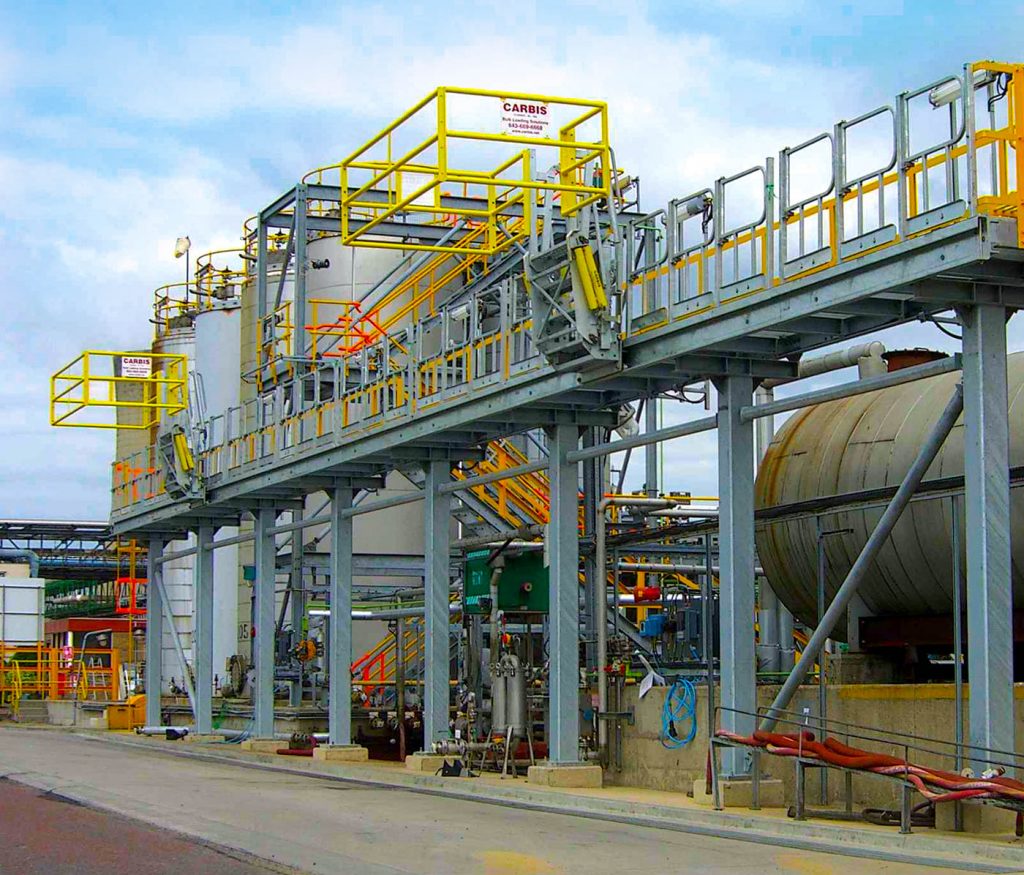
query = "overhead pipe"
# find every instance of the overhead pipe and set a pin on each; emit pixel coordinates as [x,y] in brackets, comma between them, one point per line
[390,614]
[687,513]
[494,539]
[929,450]
[30,555]
[672,567]
[867,357]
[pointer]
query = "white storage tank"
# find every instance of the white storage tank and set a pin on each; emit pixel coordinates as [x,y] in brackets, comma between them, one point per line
[178,574]
[217,364]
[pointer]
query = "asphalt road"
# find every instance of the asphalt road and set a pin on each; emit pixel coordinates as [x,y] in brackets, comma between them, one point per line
[44,834]
[323,826]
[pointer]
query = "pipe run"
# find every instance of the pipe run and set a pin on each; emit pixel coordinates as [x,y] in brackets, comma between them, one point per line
[673,567]
[30,555]
[929,450]
[391,614]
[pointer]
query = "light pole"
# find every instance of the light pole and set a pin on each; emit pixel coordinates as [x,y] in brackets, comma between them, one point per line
[181,247]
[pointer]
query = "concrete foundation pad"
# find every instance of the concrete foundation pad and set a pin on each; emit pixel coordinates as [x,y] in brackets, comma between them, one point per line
[341,753]
[739,793]
[565,775]
[193,738]
[262,745]
[427,762]
[978,819]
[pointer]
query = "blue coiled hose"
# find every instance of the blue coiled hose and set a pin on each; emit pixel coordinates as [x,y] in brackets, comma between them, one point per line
[680,707]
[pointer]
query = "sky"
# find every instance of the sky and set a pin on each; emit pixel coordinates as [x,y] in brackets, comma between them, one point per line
[126,125]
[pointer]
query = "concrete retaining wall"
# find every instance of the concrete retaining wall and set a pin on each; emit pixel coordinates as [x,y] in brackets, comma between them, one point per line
[925,710]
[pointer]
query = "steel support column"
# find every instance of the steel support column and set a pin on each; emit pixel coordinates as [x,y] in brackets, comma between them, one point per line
[736,564]
[202,655]
[564,559]
[339,703]
[263,683]
[154,633]
[987,508]
[437,544]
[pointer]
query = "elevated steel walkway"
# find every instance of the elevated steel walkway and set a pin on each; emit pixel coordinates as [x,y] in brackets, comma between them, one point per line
[693,294]
[532,298]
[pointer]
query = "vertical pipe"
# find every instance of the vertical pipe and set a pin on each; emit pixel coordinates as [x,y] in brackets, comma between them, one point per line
[296,605]
[769,607]
[203,643]
[987,506]
[594,588]
[299,318]
[651,450]
[263,688]
[708,630]
[601,612]
[400,684]
[736,564]
[154,633]
[437,544]
[563,558]
[339,699]
[822,691]
[958,649]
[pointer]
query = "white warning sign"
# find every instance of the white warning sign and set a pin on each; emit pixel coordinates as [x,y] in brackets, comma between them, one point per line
[136,366]
[524,118]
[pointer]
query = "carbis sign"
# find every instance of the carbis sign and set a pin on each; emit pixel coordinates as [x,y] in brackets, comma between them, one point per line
[525,118]
[137,366]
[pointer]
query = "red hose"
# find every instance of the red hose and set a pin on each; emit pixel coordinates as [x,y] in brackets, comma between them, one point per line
[935,785]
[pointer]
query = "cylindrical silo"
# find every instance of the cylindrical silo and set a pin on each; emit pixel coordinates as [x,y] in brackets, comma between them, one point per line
[344,274]
[178,574]
[217,363]
[866,442]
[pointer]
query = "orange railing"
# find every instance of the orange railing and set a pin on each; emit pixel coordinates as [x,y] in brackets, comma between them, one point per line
[59,672]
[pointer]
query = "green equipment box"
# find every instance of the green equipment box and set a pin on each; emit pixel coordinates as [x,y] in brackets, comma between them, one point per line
[522,587]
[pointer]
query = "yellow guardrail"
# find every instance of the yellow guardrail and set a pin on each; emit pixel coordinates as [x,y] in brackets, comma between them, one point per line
[996,153]
[136,389]
[397,172]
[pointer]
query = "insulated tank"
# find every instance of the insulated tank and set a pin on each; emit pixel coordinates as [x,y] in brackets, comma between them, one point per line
[866,442]
[178,574]
[217,354]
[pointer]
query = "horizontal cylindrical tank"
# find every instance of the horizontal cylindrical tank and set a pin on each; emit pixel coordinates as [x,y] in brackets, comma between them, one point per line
[866,442]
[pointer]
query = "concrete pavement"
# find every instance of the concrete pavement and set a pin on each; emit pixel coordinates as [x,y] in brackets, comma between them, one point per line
[318,825]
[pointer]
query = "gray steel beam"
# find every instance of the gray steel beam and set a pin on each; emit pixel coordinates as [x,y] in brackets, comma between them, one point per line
[266,570]
[736,561]
[987,506]
[437,546]
[695,426]
[202,655]
[564,559]
[857,387]
[154,633]
[339,703]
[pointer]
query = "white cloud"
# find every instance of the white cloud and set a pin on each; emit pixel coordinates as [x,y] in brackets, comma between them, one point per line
[93,237]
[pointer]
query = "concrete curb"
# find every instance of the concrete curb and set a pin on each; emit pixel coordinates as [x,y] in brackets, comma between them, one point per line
[917,848]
